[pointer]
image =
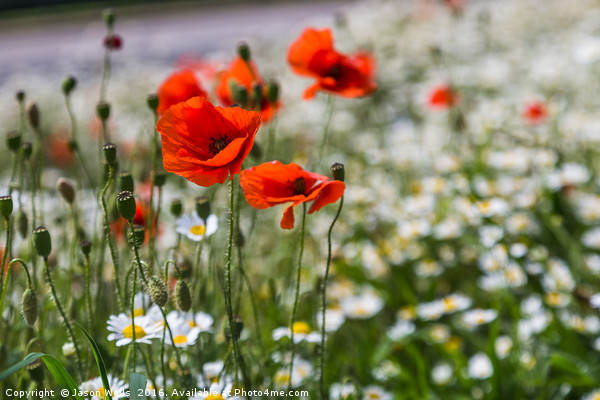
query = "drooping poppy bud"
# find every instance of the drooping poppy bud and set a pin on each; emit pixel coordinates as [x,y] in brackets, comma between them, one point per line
[183,297]
[30,306]
[158,291]
[273,92]
[20,96]
[66,189]
[176,208]
[137,237]
[68,84]
[33,113]
[22,224]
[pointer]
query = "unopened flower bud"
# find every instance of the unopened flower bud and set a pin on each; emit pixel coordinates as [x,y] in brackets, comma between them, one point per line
[125,181]
[68,84]
[238,326]
[338,172]
[86,247]
[126,205]
[33,113]
[152,101]
[110,153]
[160,177]
[257,93]
[244,51]
[20,95]
[203,207]
[68,350]
[273,92]
[66,189]
[30,306]
[36,371]
[176,208]
[13,141]
[22,224]
[108,15]
[183,296]
[27,149]
[103,110]
[138,236]
[6,206]
[240,95]
[42,241]
[158,291]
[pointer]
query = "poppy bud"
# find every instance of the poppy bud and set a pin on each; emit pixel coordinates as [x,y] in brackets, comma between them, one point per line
[66,189]
[68,84]
[86,247]
[244,51]
[183,296]
[103,110]
[30,306]
[125,181]
[36,371]
[108,15]
[20,95]
[158,291]
[160,177]
[137,237]
[42,241]
[273,92]
[22,224]
[338,172]
[176,208]
[33,113]
[203,207]
[257,93]
[110,153]
[27,149]
[152,101]
[238,326]
[126,205]
[13,141]
[113,42]
[240,95]
[6,206]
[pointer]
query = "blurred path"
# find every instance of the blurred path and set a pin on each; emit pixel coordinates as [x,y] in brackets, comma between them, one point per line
[157,32]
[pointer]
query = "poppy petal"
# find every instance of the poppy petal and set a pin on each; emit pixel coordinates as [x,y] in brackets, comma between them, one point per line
[330,193]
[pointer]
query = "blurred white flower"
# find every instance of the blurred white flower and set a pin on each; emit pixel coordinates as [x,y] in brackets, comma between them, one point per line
[480,366]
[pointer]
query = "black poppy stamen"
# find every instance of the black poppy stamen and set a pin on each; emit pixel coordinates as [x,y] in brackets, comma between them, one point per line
[216,145]
[299,186]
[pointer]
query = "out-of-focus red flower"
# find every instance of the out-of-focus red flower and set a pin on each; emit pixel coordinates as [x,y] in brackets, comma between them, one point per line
[456,6]
[535,113]
[113,42]
[142,211]
[59,148]
[204,143]
[245,74]
[178,87]
[443,97]
[274,183]
[206,70]
[313,55]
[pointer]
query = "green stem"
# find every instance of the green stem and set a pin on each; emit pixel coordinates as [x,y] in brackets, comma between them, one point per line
[75,142]
[88,292]
[324,302]
[64,317]
[296,297]
[133,282]
[328,116]
[3,284]
[150,221]
[108,235]
[105,69]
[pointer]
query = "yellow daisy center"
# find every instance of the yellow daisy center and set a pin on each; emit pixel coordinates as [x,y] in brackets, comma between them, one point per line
[139,332]
[100,393]
[214,396]
[138,312]
[191,323]
[301,327]
[198,230]
[180,339]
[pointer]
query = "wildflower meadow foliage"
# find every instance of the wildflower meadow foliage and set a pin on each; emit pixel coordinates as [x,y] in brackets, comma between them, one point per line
[400,202]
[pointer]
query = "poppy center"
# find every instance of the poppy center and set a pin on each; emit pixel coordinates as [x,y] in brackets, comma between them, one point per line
[299,185]
[218,144]
[334,72]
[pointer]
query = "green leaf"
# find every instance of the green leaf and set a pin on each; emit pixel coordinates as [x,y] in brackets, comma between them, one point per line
[61,375]
[99,362]
[137,385]
[24,362]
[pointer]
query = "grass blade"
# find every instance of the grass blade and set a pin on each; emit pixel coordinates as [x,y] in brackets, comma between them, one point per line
[61,375]
[15,367]
[137,385]
[99,362]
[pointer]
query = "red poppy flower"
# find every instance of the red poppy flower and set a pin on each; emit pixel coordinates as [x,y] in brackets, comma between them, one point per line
[443,97]
[274,183]
[178,87]
[204,143]
[535,113]
[313,55]
[244,74]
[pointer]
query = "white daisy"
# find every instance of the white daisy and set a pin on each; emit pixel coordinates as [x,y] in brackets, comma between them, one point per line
[183,334]
[200,320]
[95,388]
[480,366]
[478,316]
[145,329]
[302,332]
[195,228]
[363,306]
